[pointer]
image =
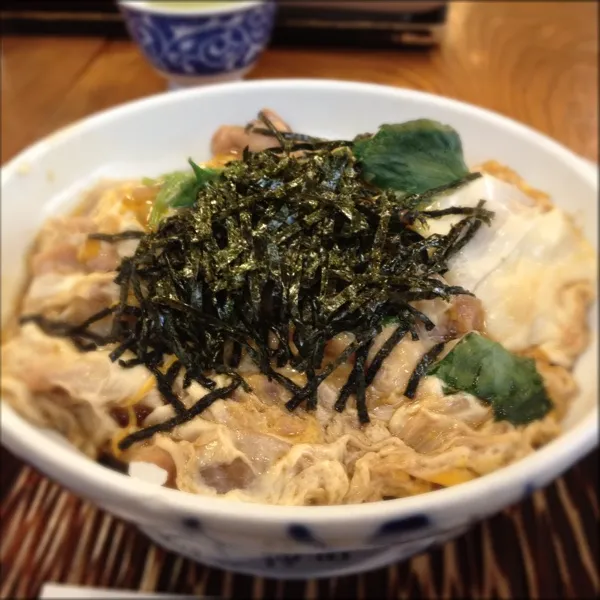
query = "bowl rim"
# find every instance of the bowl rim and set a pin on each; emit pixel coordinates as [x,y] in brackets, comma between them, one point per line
[198,11]
[59,461]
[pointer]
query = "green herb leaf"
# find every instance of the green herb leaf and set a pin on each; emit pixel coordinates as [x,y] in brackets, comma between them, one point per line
[511,384]
[411,157]
[203,174]
[180,189]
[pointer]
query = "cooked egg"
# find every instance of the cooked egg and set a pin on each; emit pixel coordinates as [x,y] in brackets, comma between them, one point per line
[514,214]
[532,269]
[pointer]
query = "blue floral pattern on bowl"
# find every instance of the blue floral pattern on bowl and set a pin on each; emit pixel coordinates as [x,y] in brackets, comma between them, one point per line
[201,44]
[300,552]
[298,549]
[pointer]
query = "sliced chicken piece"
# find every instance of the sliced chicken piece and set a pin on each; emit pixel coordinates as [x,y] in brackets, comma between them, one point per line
[58,243]
[63,244]
[226,477]
[215,458]
[263,412]
[336,345]
[431,448]
[308,474]
[262,450]
[379,475]
[81,424]
[277,121]
[393,375]
[50,363]
[428,431]
[232,139]
[461,406]
[452,319]
[465,314]
[72,297]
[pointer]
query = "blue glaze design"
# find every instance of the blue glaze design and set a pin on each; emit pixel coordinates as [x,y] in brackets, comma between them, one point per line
[394,540]
[193,524]
[530,488]
[303,535]
[398,528]
[201,45]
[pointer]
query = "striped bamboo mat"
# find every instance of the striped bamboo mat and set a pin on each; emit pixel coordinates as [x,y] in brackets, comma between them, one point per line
[545,547]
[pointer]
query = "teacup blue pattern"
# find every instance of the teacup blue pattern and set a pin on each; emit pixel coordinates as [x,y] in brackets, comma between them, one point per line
[201,44]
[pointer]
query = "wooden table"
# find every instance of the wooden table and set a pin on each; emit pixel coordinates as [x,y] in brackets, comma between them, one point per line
[535,62]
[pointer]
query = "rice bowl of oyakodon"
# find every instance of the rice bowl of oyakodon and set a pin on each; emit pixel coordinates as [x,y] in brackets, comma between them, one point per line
[262,332]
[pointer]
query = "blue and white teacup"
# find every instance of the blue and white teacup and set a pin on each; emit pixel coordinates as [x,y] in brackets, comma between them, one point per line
[194,43]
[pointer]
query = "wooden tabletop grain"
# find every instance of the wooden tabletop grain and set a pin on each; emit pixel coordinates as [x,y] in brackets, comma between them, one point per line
[536,62]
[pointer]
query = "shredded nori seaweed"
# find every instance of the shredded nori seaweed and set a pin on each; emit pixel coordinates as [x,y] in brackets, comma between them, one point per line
[421,369]
[117,237]
[286,247]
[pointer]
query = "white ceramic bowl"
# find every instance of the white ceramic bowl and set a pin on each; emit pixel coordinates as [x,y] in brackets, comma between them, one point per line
[157,134]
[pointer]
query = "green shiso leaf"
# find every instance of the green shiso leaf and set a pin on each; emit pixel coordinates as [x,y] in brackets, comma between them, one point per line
[411,157]
[203,174]
[180,189]
[511,384]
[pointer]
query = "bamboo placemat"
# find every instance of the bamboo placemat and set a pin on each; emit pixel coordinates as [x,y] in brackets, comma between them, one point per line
[544,547]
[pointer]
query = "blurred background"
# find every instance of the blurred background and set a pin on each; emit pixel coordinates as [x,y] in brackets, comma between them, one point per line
[310,23]
[534,61]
